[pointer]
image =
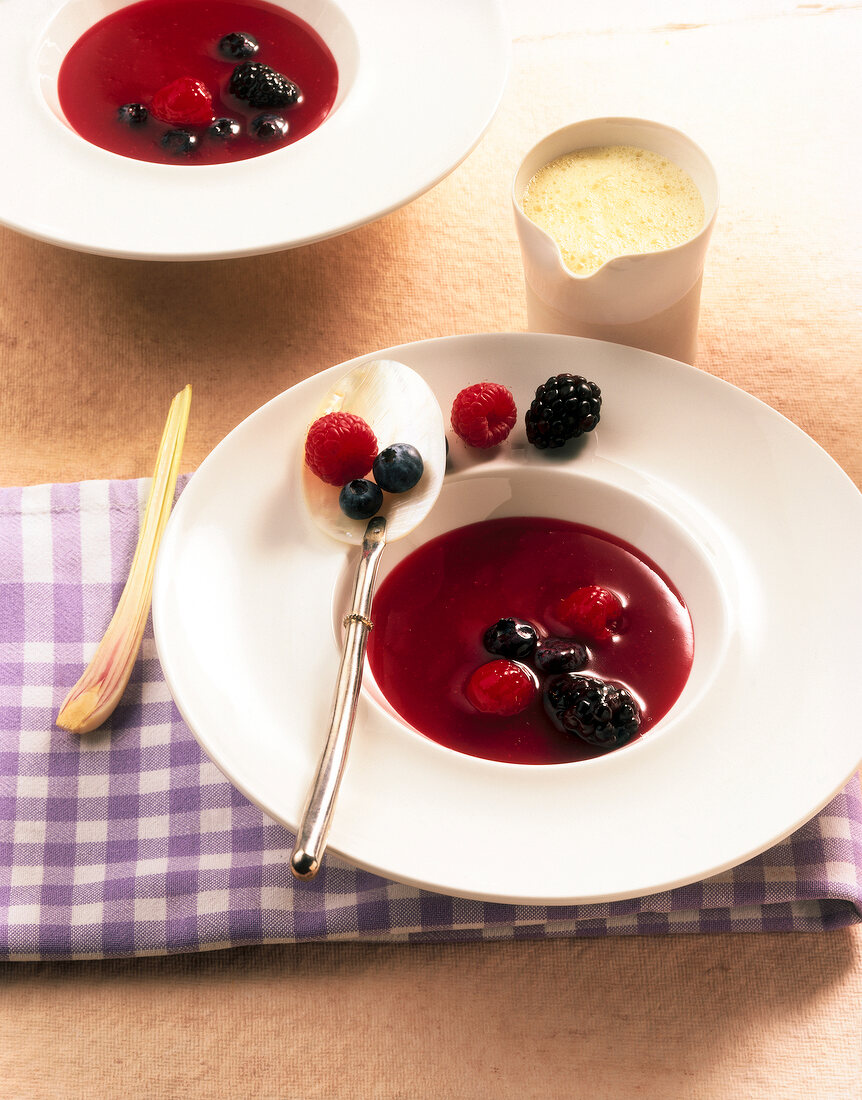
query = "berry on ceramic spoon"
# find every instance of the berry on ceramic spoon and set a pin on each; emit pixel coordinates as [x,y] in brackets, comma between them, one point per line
[339,447]
[398,468]
[360,499]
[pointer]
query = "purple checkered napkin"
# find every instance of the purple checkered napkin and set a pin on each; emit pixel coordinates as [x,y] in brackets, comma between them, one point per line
[129,841]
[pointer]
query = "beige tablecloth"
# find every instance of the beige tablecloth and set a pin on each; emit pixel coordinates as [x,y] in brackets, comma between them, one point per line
[91,350]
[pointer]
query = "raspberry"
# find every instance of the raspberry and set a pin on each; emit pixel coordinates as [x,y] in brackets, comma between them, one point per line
[600,713]
[262,86]
[500,687]
[183,102]
[340,447]
[484,414]
[564,407]
[592,611]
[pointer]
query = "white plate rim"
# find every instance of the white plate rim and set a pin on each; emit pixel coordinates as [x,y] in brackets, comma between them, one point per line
[775,792]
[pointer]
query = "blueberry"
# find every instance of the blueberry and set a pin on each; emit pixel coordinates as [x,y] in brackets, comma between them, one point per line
[238,44]
[180,142]
[560,655]
[398,468]
[269,127]
[512,638]
[224,128]
[360,499]
[133,114]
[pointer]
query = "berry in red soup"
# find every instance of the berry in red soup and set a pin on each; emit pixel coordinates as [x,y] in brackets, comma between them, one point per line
[578,687]
[500,687]
[173,81]
[591,611]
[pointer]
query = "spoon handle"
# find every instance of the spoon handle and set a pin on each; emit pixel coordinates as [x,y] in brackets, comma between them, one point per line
[316,817]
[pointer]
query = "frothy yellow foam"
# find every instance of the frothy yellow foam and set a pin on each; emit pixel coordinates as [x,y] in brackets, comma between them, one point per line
[613,200]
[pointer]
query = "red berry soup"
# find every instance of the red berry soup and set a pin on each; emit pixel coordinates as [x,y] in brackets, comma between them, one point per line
[197,81]
[501,638]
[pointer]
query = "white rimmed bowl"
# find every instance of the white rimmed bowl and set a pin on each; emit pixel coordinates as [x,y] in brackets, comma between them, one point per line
[245,611]
[386,141]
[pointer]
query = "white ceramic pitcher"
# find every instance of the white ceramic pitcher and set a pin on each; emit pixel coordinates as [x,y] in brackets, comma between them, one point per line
[649,300]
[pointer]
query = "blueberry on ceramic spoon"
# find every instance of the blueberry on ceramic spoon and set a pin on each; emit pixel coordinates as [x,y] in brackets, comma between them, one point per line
[398,468]
[360,499]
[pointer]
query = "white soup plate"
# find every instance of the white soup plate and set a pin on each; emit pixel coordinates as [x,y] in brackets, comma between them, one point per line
[418,85]
[754,523]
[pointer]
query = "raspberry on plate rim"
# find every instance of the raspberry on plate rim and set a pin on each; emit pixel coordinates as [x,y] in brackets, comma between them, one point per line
[483,414]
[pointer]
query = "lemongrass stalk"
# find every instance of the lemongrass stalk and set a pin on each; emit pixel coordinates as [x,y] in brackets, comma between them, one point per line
[95,696]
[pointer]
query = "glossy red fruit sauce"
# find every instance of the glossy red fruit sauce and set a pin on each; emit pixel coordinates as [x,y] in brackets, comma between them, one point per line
[430,614]
[131,54]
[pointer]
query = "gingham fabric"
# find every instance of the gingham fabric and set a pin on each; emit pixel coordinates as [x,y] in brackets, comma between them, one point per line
[129,841]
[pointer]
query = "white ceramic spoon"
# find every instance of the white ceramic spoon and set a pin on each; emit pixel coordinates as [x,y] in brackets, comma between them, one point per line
[400,408]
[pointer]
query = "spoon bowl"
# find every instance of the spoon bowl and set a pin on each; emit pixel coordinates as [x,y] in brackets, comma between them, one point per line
[400,407]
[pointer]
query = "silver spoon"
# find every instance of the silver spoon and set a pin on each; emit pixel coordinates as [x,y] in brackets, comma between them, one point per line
[401,408]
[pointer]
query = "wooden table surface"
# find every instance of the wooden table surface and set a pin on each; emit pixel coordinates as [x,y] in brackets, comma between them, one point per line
[92,349]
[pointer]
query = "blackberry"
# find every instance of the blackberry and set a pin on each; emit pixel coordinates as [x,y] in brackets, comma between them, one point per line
[600,713]
[224,128]
[269,127]
[360,499]
[238,44]
[262,86]
[133,114]
[565,407]
[180,142]
[511,638]
[560,655]
[398,468]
